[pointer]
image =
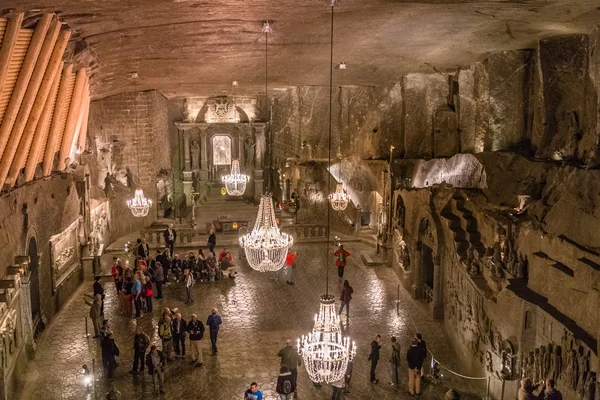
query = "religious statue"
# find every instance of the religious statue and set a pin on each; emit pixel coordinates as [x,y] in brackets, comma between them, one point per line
[195,152]
[260,150]
[547,362]
[405,257]
[589,391]
[489,365]
[537,369]
[556,363]
[185,112]
[583,363]
[573,370]
[249,152]
[530,366]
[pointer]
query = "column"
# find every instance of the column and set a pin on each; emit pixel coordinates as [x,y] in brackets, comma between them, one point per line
[203,154]
[26,322]
[436,306]
[187,168]
[259,162]
[417,275]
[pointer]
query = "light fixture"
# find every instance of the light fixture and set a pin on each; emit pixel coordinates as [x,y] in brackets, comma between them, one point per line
[266,29]
[139,205]
[266,247]
[325,351]
[339,199]
[235,182]
[87,376]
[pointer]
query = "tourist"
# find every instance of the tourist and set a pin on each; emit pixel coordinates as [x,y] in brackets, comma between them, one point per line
[141,341]
[212,241]
[166,313]
[214,322]
[116,271]
[165,260]
[452,395]
[149,290]
[340,260]
[253,393]
[285,384]
[189,282]
[345,297]
[179,331]
[415,358]
[105,330]
[423,347]
[159,279]
[348,377]
[155,361]
[109,353]
[213,271]
[549,392]
[176,267]
[136,292]
[170,236]
[95,314]
[395,361]
[142,249]
[526,390]
[291,359]
[127,290]
[226,261]
[338,387]
[165,332]
[374,357]
[290,264]
[196,329]
[99,289]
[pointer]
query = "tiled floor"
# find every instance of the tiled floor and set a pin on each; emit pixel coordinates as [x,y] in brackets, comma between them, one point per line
[259,314]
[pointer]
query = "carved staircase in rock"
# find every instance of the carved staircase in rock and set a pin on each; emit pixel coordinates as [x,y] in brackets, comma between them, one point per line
[463,225]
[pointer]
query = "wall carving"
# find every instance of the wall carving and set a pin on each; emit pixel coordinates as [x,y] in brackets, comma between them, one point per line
[64,253]
[99,228]
[221,109]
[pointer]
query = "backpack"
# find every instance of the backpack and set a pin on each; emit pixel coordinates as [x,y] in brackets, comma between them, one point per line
[342,257]
[286,388]
[149,285]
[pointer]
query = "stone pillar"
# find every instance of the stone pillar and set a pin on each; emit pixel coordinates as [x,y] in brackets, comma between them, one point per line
[417,262]
[436,306]
[203,154]
[258,184]
[260,147]
[187,167]
[26,318]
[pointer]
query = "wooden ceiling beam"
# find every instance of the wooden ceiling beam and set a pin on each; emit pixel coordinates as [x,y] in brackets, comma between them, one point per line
[84,126]
[59,110]
[80,122]
[35,46]
[8,45]
[72,118]
[42,128]
[33,89]
[38,106]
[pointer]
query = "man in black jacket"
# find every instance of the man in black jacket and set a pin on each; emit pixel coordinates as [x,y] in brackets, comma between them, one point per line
[179,330]
[140,344]
[109,352]
[155,361]
[196,329]
[415,358]
[170,236]
[99,289]
[142,249]
[374,357]
[165,261]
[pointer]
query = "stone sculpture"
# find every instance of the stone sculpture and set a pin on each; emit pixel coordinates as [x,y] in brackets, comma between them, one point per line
[522,268]
[556,363]
[589,392]
[249,152]
[185,112]
[537,368]
[583,364]
[489,366]
[547,362]
[573,369]
[195,152]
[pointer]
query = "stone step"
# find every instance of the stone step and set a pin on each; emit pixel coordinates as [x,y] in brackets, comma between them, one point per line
[370,260]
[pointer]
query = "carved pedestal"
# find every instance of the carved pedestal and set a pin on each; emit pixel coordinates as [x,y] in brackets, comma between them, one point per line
[187,185]
[258,184]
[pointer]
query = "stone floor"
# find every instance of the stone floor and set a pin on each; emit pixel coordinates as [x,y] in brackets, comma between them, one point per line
[259,314]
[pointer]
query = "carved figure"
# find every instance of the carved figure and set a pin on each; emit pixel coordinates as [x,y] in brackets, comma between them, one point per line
[573,369]
[522,268]
[529,370]
[547,362]
[589,392]
[185,112]
[249,152]
[556,363]
[537,370]
[260,150]
[489,365]
[583,363]
[195,152]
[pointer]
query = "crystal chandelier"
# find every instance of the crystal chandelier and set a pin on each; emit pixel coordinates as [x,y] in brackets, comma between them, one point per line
[325,351]
[266,247]
[139,205]
[340,199]
[235,182]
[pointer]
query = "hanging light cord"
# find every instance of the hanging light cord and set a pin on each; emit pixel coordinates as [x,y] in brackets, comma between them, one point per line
[137,139]
[267,105]
[329,152]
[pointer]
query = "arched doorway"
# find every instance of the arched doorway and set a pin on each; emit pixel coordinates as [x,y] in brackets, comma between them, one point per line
[34,262]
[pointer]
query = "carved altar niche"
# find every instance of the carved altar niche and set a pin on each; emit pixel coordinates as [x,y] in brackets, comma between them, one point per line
[64,253]
[221,109]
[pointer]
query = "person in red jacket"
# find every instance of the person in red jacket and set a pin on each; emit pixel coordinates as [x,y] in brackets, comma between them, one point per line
[340,260]
[117,272]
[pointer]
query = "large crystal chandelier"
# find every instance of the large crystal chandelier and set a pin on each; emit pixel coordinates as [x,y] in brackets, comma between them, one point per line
[266,247]
[340,199]
[139,205]
[325,351]
[235,182]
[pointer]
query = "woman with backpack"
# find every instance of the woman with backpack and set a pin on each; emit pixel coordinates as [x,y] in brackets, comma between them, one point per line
[284,384]
[149,287]
[340,260]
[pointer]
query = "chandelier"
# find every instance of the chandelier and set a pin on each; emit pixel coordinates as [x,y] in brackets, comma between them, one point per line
[325,351]
[235,182]
[139,205]
[266,247]
[340,199]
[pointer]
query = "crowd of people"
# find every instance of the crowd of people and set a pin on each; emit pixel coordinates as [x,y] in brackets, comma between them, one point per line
[136,285]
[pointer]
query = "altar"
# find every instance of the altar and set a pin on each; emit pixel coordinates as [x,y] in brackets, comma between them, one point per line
[221,132]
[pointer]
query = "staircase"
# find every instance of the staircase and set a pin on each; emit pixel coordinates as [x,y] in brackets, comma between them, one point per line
[368,236]
[463,225]
[216,206]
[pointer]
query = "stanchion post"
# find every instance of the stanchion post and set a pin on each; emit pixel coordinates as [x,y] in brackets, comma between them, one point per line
[94,376]
[398,301]
[487,391]
[87,335]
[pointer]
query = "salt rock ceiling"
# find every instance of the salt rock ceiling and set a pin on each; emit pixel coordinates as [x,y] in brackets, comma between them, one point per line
[197,47]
